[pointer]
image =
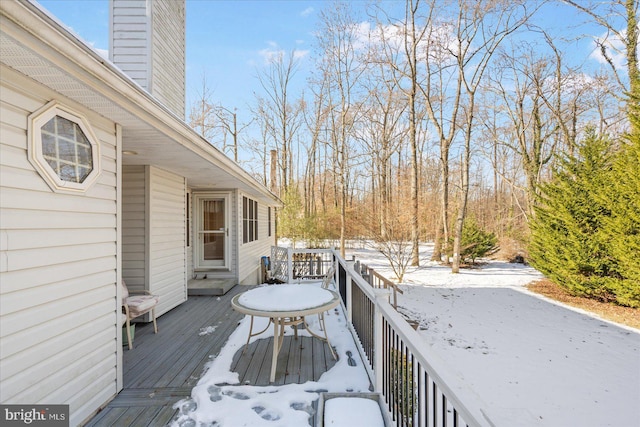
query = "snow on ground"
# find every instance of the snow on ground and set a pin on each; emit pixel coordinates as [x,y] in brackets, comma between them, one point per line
[219,400]
[533,362]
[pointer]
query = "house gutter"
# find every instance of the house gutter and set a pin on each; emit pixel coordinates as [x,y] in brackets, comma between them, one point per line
[90,68]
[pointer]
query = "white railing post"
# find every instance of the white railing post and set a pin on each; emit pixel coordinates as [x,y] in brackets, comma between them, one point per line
[290,265]
[336,267]
[378,342]
[349,299]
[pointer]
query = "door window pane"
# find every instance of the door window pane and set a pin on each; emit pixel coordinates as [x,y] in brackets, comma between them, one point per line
[213,247]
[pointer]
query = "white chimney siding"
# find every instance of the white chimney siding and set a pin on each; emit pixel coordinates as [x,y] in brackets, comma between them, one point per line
[147,42]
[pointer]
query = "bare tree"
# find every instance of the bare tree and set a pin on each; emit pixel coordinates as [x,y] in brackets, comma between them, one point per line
[338,38]
[202,113]
[284,114]
[315,118]
[610,14]
[384,127]
[260,147]
[458,52]
[228,121]
[401,48]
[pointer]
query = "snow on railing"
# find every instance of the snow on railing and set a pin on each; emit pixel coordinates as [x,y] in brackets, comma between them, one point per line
[377,280]
[418,388]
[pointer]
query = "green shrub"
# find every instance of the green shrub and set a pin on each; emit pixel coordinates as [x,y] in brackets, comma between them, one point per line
[403,386]
[580,236]
[476,242]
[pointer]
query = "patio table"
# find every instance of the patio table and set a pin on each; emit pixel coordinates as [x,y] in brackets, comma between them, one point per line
[286,305]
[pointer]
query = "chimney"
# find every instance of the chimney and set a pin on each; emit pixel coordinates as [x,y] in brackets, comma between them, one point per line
[147,42]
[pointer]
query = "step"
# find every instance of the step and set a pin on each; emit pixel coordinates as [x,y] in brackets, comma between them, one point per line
[210,286]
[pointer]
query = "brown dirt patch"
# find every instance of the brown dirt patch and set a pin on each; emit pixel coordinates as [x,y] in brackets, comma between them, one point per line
[616,313]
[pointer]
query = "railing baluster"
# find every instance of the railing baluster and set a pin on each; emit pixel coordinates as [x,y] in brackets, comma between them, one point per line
[412,390]
[434,409]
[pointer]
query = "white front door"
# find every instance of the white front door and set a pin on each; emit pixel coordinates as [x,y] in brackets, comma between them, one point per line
[212,230]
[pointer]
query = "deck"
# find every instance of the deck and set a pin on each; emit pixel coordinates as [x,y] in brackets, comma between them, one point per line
[162,369]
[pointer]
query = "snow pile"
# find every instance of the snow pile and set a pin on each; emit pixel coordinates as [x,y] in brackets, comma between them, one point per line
[350,412]
[207,331]
[219,399]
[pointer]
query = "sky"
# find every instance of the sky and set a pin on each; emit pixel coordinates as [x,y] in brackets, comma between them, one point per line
[523,359]
[228,42]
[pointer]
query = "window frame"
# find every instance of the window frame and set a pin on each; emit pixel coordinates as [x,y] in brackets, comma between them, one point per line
[36,122]
[249,220]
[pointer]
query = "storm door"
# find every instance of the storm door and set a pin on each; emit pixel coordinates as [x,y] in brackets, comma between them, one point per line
[212,231]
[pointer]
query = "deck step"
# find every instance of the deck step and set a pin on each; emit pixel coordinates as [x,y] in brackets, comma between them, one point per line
[210,286]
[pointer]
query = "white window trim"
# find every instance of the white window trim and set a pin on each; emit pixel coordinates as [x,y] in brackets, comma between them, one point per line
[254,222]
[197,221]
[35,123]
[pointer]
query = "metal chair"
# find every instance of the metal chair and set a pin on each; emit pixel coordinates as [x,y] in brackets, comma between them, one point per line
[136,306]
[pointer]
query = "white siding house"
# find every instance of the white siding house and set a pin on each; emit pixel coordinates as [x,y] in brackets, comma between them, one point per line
[59,264]
[101,180]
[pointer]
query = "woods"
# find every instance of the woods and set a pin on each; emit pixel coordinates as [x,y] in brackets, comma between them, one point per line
[420,119]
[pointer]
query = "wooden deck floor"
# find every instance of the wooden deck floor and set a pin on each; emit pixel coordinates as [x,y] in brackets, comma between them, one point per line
[162,369]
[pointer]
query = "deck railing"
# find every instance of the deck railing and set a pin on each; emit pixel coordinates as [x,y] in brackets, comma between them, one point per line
[418,388]
[289,264]
[378,281]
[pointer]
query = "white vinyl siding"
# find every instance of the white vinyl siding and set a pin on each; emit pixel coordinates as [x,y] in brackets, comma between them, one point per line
[134,224]
[168,55]
[167,243]
[58,308]
[153,234]
[148,44]
[129,48]
[250,253]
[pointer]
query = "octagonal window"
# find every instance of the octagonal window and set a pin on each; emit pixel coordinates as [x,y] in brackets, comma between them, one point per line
[63,148]
[66,149]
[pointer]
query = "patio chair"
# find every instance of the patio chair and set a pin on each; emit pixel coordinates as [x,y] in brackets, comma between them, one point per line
[328,278]
[326,282]
[136,306]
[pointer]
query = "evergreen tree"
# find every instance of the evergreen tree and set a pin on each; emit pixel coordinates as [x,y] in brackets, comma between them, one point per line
[568,240]
[290,217]
[622,228]
[476,242]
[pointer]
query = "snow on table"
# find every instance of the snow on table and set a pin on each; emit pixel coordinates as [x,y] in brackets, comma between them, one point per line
[285,297]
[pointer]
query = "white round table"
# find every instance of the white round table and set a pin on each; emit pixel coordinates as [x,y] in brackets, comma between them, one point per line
[286,305]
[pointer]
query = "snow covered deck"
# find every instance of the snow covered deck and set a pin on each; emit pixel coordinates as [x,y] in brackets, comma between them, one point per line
[163,369]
